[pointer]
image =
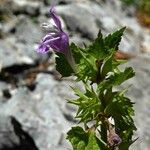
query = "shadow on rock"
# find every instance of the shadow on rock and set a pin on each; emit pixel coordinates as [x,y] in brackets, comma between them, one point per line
[25,140]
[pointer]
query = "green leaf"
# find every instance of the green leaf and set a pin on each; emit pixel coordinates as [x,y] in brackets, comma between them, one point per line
[107,66]
[112,40]
[97,48]
[94,143]
[120,77]
[130,2]
[88,104]
[78,138]
[85,63]
[79,93]
[116,79]
[121,109]
[62,65]
[82,140]
[126,145]
[76,52]
[81,56]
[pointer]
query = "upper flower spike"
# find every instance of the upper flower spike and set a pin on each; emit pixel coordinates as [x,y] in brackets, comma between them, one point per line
[56,39]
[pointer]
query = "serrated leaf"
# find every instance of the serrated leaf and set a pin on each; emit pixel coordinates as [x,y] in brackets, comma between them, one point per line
[120,77]
[97,48]
[116,79]
[78,138]
[121,109]
[112,40]
[62,65]
[88,104]
[94,143]
[86,67]
[82,140]
[126,145]
[79,93]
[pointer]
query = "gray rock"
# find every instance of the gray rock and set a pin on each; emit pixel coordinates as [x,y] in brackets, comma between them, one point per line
[3,85]
[108,22]
[27,31]
[39,113]
[19,48]
[145,45]
[13,137]
[4,91]
[7,135]
[10,51]
[56,2]
[23,6]
[84,24]
[9,26]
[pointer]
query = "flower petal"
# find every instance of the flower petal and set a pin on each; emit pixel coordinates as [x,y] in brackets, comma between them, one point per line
[42,48]
[47,37]
[61,44]
[55,18]
[55,39]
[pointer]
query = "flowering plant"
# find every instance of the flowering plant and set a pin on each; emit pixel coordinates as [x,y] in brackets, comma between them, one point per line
[105,112]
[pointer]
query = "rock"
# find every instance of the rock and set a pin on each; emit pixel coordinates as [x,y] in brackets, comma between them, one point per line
[23,6]
[13,137]
[7,135]
[19,47]
[4,91]
[39,113]
[27,31]
[108,22]
[145,45]
[56,2]
[7,53]
[10,52]
[83,24]
[9,27]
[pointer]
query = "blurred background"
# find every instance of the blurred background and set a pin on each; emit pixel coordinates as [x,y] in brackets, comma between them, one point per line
[34,114]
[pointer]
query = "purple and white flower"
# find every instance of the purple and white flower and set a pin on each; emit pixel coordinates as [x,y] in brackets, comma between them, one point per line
[56,39]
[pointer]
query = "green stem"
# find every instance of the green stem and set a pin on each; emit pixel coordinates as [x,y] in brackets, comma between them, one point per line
[104,132]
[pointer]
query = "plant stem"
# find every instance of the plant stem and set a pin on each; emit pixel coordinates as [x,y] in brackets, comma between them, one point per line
[104,132]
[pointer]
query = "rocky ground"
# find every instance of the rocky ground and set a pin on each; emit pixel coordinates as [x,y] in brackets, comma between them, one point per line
[33,110]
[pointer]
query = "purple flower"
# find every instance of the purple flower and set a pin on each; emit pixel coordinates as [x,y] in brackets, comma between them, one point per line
[56,39]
